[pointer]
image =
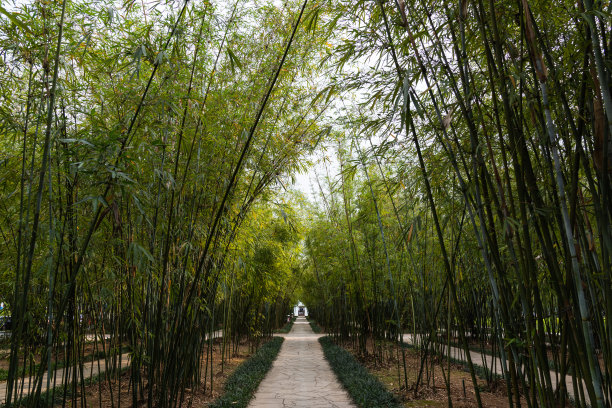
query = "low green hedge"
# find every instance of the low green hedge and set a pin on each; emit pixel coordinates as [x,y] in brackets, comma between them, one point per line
[315,327]
[287,327]
[363,387]
[242,383]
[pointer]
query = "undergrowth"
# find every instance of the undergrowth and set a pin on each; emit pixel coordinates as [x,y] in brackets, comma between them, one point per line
[315,327]
[365,389]
[287,327]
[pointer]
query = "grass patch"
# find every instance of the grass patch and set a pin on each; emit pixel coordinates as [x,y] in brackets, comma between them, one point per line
[287,327]
[243,382]
[365,389]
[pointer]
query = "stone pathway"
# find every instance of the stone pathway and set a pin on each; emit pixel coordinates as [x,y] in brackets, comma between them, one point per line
[300,376]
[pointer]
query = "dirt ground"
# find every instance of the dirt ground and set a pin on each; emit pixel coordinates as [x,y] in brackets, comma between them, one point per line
[432,391]
[106,395]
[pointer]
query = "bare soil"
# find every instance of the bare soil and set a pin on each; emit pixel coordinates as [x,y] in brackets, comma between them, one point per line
[432,390]
[117,392]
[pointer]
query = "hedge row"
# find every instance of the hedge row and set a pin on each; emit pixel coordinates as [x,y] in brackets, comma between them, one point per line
[363,387]
[242,383]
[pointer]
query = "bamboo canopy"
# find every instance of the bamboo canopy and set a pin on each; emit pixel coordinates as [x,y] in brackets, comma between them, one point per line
[461,162]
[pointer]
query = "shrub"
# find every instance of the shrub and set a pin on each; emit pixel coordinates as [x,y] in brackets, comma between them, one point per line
[242,383]
[363,387]
[287,327]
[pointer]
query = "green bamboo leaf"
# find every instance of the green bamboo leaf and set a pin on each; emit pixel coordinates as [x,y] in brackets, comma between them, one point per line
[160,57]
[322,134]
[312,19]
[77,141]
[15,19]
[234,60]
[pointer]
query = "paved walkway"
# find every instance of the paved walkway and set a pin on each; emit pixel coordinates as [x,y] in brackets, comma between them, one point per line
[300,376]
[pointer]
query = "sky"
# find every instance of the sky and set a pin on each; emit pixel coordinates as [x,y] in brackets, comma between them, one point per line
[305,182]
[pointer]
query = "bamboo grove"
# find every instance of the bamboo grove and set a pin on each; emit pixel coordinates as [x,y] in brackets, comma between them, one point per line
[147,150]
[472,197]
[142,146]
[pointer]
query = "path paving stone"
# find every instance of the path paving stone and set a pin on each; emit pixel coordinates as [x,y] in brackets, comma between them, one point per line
[300,375]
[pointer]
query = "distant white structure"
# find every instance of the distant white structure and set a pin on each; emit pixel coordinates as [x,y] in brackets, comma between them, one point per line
[300,309]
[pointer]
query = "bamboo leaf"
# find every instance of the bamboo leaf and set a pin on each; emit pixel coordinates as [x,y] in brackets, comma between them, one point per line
[15,19]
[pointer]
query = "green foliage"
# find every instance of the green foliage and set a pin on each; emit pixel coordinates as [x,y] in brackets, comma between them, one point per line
[471,195]
[140,199]
[287,327]
[314,326]
[365,389]
[243,382]
[144,150]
